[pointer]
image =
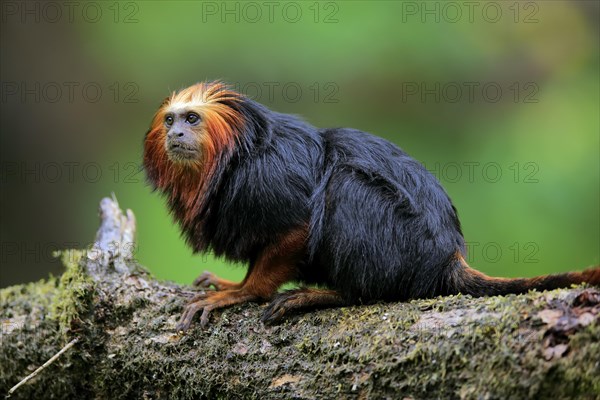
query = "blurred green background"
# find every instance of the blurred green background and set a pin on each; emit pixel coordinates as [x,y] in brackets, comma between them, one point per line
[499,99]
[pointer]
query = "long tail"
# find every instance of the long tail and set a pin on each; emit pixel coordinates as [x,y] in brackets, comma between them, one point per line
[470,281]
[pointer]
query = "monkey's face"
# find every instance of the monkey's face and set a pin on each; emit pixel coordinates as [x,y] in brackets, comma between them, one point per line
[191,132]
[183,133]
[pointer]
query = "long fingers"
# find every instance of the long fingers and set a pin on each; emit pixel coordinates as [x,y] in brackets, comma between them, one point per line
[186,318]
[210,301]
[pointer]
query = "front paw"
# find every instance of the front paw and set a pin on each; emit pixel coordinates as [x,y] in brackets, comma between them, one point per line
[205,280]
[204,302]
[207,302]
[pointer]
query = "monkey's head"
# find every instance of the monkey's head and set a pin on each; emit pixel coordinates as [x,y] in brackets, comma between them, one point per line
[190,131]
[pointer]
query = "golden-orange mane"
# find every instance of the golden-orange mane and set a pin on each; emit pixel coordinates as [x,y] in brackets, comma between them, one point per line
[186,183]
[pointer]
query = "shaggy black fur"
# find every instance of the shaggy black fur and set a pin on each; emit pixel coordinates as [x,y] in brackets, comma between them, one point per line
[380,225]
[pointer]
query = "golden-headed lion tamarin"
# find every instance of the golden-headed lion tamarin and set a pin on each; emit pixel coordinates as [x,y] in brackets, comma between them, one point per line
[334,207]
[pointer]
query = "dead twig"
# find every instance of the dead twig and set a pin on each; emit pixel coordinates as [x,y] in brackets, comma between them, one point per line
[40,369]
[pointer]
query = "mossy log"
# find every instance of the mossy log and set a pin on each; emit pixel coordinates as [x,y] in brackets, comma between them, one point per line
[538,345]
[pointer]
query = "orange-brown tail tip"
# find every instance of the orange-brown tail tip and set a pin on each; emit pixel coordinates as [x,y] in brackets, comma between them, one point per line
[591,276]
[475,283]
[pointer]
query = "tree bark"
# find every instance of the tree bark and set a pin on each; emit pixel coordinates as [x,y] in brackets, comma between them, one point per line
[538,345]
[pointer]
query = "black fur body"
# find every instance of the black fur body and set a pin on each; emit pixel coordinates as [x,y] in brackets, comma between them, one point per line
[380,226]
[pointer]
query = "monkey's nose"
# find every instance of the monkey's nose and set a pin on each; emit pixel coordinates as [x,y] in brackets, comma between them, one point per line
[175,134]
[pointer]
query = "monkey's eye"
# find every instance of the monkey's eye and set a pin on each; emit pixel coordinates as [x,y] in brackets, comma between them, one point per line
[169,120]
[192,118]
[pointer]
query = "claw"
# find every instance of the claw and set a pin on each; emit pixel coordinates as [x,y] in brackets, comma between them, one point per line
[204,316]
[277,309]
[272,315]
[186,318]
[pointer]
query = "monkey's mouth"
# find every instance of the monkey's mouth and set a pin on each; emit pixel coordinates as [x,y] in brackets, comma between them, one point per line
[181,151]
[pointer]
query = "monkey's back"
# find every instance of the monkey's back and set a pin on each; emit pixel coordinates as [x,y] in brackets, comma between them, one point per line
[382,227]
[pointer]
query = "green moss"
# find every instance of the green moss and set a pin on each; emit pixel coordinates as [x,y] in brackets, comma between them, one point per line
[21,298]
[75,292]
[579,372]
[38,319]
[447,347]
[29,338]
